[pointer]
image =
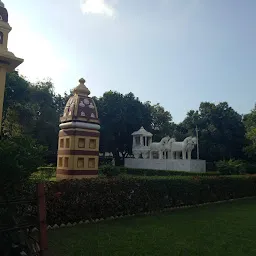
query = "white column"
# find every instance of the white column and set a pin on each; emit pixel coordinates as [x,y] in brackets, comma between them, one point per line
[133,141]
[141,140]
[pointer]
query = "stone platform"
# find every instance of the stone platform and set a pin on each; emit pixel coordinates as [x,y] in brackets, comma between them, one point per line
[167,164]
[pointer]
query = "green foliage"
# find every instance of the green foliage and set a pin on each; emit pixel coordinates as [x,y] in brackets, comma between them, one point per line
[235,167]
[250,168]
[221,131]
[110,170]
[46,172]
[161,123]
[231,167]
[121,115]
[250,125]
[138,172]
[105,160]
[33,110]
[18,215]
[19,157]
[210,167]
[99,198]
[28,111]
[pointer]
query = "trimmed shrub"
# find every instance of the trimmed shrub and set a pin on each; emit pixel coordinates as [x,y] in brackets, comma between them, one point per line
[110,170]
[123,169]
[138,172]
[105,161]
[47,172]
[101,197]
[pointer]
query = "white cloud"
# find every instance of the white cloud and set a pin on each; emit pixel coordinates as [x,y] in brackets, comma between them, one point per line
[97,7]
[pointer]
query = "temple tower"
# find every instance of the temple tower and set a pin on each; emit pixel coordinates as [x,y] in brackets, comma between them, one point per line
[8,61]
[78,146]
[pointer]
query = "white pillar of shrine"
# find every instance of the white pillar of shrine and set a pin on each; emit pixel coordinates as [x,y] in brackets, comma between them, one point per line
[141,140]
[133,142]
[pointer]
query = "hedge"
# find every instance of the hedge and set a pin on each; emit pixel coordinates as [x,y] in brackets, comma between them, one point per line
[149,172]
[105,161]
[76,200]
[46,172]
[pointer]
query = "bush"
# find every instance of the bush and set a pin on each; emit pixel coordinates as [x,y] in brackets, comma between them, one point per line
[149,172]
[101,197]
[110,170]
[105,161]
[13,218]
[46,172]
[139,172]
[231,167]
[19,157]
[210,167]
[251,168]
[123,169]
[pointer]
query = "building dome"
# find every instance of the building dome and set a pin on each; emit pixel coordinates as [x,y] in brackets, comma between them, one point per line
[80,107]
[142,132]
[3,12]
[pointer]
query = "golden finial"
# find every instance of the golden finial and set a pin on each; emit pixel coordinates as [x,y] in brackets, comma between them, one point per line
[81,89]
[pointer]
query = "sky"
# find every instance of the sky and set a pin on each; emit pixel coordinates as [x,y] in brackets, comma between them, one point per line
[174,52]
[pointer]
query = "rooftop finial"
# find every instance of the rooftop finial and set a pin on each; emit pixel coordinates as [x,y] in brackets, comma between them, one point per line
[81,81]
[1,4]
[81,89]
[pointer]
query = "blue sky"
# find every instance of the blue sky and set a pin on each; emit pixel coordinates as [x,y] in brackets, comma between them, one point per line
[175,52]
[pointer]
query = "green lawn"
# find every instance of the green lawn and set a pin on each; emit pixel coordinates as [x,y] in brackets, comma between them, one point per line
[220,229]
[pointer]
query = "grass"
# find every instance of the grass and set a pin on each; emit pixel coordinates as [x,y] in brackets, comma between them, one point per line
[219,229]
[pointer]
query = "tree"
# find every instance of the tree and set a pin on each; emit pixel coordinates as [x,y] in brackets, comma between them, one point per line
[161,123]
[250,126]
[18,112]
[47,113]
[221,131]
[16,90]
[120,115]
[33,110]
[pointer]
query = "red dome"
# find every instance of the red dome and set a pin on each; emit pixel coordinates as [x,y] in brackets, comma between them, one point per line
[80,107]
